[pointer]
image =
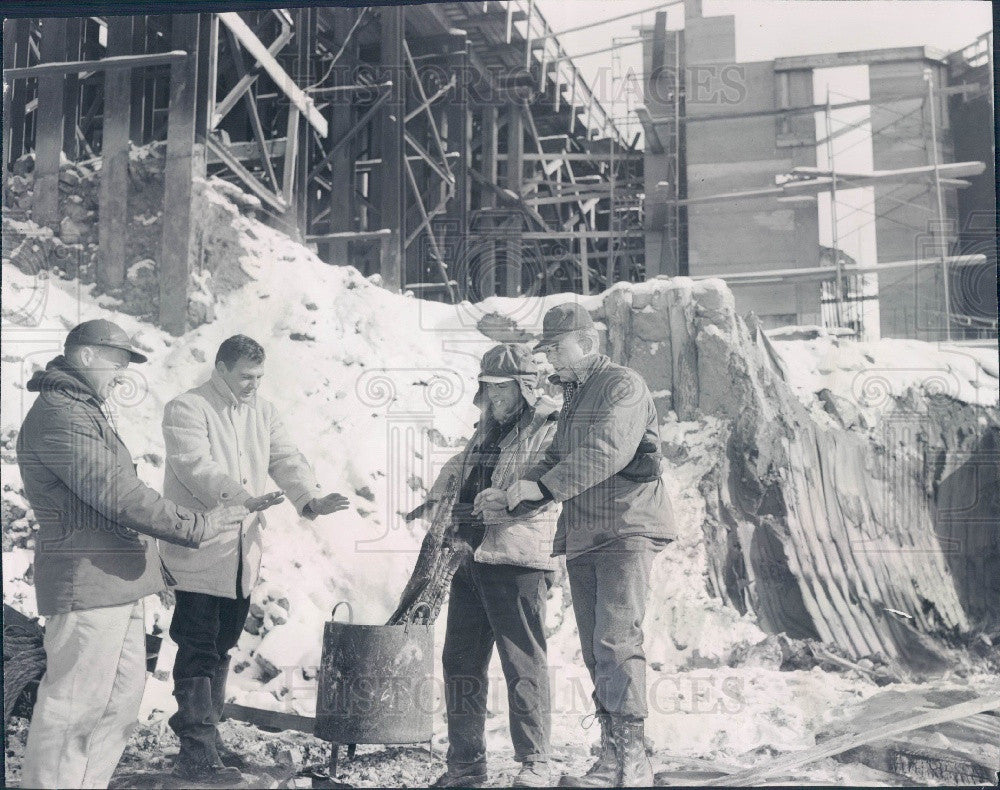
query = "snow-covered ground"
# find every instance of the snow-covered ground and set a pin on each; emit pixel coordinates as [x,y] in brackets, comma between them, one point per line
[377,390]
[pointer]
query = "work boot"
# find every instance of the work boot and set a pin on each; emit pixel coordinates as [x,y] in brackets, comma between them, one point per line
[602,773]
[467,776]
[198,760]
[533,774]
[634,768]
[229,758]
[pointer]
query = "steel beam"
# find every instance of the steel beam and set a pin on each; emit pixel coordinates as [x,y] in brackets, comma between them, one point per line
[49,126]
[392,187]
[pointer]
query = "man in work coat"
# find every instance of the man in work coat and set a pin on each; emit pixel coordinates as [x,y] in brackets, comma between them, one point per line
[223,441]
[604,467]
[93,560]
[498,595]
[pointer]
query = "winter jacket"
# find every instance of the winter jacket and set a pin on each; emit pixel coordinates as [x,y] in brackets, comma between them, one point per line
[527,541]
[604,464]
[220,450]
[93,511]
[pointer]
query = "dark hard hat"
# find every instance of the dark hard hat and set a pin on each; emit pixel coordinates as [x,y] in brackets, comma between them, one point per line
[562,319]
[100,332]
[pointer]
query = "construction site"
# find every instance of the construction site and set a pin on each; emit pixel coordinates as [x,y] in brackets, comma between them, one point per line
[797,253]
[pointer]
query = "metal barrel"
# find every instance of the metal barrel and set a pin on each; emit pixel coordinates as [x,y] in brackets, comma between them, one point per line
[376,683]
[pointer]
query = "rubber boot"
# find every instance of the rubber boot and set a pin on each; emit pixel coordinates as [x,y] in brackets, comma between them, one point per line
[604,770]
[229,758]
[198,760]
[634,768]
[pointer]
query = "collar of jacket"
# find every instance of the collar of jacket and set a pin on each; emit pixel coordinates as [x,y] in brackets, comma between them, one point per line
[584,369]
[60,376]
[223,391]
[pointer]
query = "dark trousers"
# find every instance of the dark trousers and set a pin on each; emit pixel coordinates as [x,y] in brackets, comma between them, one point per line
[502,605]
[206,628]
[609,590]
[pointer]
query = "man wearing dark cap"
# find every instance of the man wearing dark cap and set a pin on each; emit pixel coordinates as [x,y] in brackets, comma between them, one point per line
[498,595]
[604,467]
[95,559]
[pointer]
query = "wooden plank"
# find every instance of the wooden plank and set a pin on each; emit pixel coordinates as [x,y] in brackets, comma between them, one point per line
[49,127]
[269,719]
[350,235]
[71,92]
[853,740]
[93,66]
[112,230]
[392,177]
[15,54]
[175,249]
[515,172]
[584,265]
[285,83]
[341,200]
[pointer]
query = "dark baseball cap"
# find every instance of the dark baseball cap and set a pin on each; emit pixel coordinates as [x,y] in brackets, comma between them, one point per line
[561,320]
[101,332]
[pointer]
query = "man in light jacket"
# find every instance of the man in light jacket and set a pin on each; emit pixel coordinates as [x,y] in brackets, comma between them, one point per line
[498,595]
[604,467]
[223,441]
[93,560]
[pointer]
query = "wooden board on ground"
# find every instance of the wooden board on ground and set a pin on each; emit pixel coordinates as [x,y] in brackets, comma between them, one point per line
[858,736]
[278,777]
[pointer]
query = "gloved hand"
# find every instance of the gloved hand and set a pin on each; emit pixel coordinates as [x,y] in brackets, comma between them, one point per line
[523,491]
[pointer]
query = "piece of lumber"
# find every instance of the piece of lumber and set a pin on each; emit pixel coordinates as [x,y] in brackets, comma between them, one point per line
[269,719]
[922,763]
[270,64]
[105,64]
[853,740]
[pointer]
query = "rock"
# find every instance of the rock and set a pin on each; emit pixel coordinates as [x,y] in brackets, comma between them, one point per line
[69,176]
[845,412]
[19,185]
[23,165]
[71,231]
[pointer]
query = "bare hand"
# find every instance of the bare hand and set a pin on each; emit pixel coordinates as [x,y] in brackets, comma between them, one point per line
[487,497]
[331,503]
[225,518]
[523,491]
[258,503]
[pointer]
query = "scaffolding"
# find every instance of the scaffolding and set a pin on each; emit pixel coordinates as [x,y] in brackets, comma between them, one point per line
[455,148]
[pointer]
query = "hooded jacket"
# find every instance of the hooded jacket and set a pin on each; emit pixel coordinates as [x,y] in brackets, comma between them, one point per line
[96,517]
[525,541]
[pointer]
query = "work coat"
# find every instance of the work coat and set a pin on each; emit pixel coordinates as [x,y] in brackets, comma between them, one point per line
[604,464]
[524,541]
[96,519]
[222,451]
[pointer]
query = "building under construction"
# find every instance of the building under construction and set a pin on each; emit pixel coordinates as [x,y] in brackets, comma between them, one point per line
[454,148]
[823,188]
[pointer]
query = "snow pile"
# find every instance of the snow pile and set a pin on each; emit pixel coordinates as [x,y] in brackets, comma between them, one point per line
[869,375]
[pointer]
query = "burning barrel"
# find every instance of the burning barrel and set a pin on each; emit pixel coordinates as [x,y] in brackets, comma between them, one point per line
[376,683]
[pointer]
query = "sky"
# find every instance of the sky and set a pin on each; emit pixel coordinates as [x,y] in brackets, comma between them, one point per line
[766,29]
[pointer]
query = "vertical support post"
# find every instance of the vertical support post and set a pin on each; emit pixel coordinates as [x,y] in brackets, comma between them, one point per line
[833,213]
[515,172]
[940,234]
[304,76]
[176,249]
[71,91]
[138,80]
[208,72]
[113,197]
[341,205]
[460,141]
[49,126]
[393,181]
[487,279]
[15,54]
[584,264]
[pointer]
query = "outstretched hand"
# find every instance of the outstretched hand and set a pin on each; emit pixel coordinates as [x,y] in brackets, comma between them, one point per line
[258,503]
[523,491]
[331,503]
